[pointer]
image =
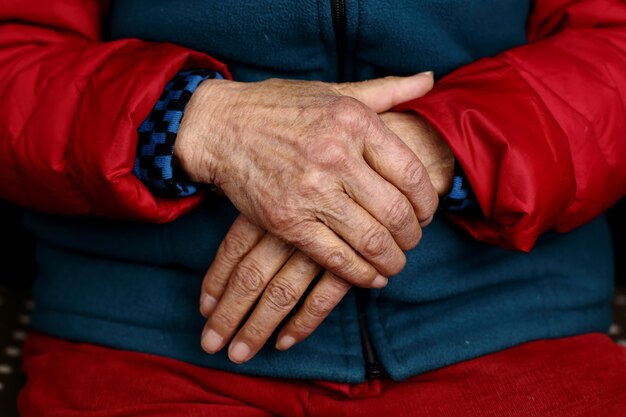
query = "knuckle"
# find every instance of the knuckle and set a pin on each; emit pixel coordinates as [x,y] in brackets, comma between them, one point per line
[337,259]
[333,154]
[334,207]
[415,175]
[247,279]
[304,241]
[399,214]
[306,267]
[342,263]
[223,320]
[337,285]
[348,113]
[253,331]
[311,184]
[303,326]
[342,104]
[281,296]
[304,236]
[376,242]
[281,217]
[234,246]
[319,305]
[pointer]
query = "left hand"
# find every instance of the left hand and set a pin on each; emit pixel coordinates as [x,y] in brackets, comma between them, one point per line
[427,144]
[284,273]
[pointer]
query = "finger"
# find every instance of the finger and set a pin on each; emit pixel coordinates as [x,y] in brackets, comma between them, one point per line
[240,239]
[279,298]
[317,306]
[427,144]
[244,287]
[387,205]
[331,252]
[365,234]
[427,221]
[383,94]
[395,162]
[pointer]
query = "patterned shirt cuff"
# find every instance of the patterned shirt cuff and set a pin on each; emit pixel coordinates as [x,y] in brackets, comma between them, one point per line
[157,135]
[461,197]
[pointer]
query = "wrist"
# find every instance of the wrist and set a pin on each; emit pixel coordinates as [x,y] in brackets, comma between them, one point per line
[196,150]
[154,164]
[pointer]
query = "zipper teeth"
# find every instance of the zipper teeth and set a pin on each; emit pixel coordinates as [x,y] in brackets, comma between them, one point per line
[339,13]
[373,368]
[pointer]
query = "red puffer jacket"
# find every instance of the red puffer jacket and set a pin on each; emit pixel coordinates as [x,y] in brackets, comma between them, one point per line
[540,130]
[70,106]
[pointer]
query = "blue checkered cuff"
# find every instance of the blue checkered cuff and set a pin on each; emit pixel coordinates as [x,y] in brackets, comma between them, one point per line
[461,197]
[157,134]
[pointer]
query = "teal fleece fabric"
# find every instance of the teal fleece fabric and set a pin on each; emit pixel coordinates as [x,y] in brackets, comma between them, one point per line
[295,39]
[136,286]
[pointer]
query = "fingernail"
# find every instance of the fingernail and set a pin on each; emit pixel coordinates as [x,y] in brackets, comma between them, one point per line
[379,281]
[431,73]
[285,342]
[207,304]
[239,352]
[211,341]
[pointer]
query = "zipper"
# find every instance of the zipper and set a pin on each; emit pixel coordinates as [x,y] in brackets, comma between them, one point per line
[338,10]
[373,368]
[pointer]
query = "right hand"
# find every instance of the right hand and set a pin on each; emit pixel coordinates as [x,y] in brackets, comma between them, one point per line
[313,164]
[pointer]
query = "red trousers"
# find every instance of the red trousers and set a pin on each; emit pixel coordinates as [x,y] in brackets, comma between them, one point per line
[573,377]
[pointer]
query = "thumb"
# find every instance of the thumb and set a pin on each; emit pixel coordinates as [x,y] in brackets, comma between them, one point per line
[383,94]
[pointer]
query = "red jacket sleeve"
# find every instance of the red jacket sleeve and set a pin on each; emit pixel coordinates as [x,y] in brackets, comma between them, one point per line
[70,106]
[540,130]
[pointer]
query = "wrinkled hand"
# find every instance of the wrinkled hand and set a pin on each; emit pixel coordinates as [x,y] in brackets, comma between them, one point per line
[287,273]
[284,274]
[427,144]
[310,163]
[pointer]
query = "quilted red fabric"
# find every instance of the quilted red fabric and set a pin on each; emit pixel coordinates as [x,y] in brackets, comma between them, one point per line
[581,376]
[541,129]
[70,106]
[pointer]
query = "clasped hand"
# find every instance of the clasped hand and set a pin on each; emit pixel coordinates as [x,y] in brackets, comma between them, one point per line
[325,178]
